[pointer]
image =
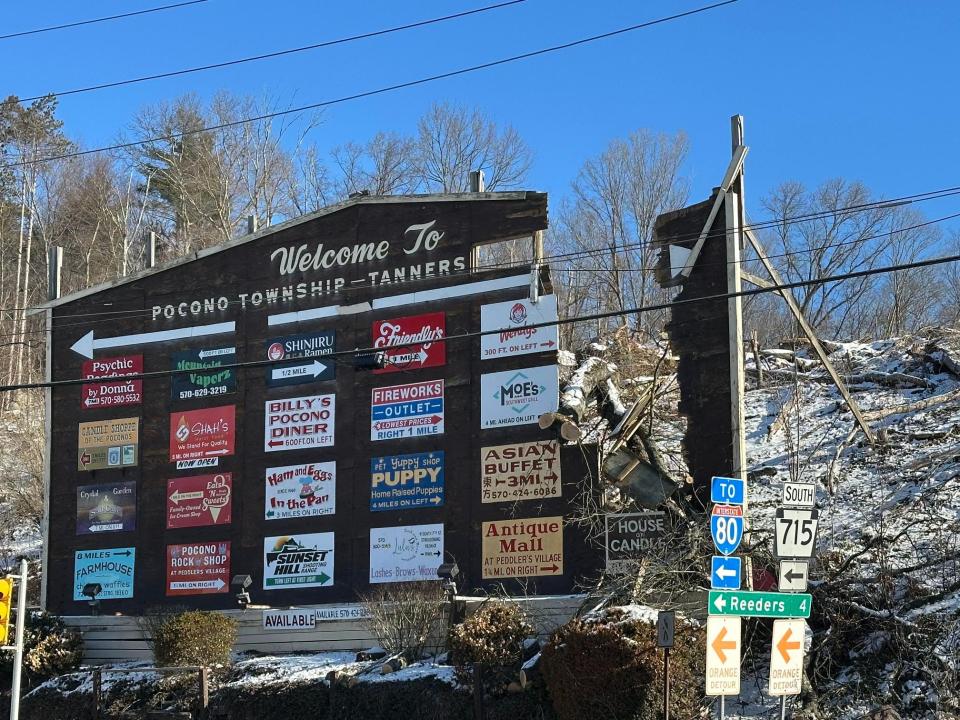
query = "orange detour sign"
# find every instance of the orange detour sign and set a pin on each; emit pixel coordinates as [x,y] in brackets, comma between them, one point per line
[786,657]
[723,655]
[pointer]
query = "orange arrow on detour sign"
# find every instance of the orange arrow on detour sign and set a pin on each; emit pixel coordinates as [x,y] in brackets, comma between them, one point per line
[723,655]
[786,657]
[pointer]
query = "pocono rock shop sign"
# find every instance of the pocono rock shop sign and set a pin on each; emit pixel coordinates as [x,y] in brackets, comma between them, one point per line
[199,500]
[301,561]
[198,568]
[406,553]
[518,397]
[307,490]
[299,423]
[116,393]
[401,482]
[520,471]
[411,410]
[108,444]
[393,337]
[199,438]
[527,547]
[507,324]
[110,568]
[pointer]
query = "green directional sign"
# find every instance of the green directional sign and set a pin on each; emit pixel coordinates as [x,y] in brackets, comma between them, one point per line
[759,604]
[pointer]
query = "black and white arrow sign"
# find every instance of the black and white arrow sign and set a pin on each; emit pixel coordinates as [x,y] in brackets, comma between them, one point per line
[86,345]
[314,368]
[793,575]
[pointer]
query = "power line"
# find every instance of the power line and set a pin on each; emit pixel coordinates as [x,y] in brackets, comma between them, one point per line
[480,333]
[100,20]
[377,91]
[279,53]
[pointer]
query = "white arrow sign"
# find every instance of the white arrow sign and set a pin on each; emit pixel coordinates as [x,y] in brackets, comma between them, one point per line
[88,343]
[316,368]
[198,584]
[177,496]
[720,603]
[724,572]
[204,354]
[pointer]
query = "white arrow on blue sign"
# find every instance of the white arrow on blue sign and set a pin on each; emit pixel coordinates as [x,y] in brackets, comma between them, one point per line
[725,573]
[726,527]
[728,491]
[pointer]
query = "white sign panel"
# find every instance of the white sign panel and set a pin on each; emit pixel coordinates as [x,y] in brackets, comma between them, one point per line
[518,397]
[793,576]
[289,619]
[405,554]
[723,655]
[342,612]
[796,533]
[511,319]
[298,423]
[305,490]
[786,657]
[301,560]
[800,495]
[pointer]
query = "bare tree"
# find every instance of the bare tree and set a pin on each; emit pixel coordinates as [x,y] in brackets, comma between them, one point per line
[384,165]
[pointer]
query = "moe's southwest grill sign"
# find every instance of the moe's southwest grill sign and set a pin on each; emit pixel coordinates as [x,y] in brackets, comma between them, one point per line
[394,338]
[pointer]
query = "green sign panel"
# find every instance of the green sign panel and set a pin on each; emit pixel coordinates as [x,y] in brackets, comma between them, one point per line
[759,604]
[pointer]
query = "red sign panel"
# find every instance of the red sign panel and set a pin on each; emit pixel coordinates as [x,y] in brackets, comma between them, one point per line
[116,393]
[206,433]
[199,500]
[424,330]
[198,568]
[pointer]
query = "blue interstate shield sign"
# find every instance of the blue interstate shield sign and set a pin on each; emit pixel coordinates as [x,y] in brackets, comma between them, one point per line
[726,527]
[400,482]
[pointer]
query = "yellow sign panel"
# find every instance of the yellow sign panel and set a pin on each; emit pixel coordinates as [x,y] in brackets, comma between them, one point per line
[525,547]
[520,471]
[108,443]
[723,655]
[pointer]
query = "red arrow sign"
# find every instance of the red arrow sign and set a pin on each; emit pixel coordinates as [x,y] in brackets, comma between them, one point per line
[551,568]
[719,644]
[85,459]
[784,645]
[275,443]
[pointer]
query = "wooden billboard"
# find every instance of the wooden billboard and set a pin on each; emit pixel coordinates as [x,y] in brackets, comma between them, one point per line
[262,450]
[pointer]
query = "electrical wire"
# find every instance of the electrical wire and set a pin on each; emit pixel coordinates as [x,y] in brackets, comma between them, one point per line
[927,262]
[279,53]
[377,91]
[100,20]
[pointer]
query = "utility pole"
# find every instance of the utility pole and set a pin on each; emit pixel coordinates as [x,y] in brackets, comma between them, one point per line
[18,645]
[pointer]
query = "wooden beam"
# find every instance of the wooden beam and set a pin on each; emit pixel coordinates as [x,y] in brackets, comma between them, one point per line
[812,336]
[735,333]
[755,279]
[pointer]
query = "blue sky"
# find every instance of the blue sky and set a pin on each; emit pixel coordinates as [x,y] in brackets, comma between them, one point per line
[861,89]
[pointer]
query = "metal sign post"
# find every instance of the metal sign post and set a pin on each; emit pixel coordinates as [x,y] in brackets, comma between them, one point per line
[666,625]
[18,646]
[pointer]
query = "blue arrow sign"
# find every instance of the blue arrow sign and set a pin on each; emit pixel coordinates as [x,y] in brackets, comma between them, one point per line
[726,527]
[728,491]
[725,573]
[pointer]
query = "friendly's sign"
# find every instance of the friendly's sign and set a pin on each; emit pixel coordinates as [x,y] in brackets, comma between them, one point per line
[299,423]
[202,434]
[111,507]
[298,561]
[520,471]
[107,444]
[518,397]
[198,568]
[412,410]
[514,338]
[199,500]
[306,490]
[526,547]
[111,568]
[424,330]
[116,393]
[401,482]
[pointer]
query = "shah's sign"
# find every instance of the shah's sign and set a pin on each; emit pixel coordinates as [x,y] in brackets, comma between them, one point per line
[424,330]
[301,561]
[297,358]
[110,507]
[405,554]
[631,536]
[299,423]
[115,393]
[512,319]
[401,482]
[208,433]
[108,444]
[198,568]
[110,568]
[305,490]
[411,410]
[199,500]
[525,547]
[518,397]
[200,373]
[520,471]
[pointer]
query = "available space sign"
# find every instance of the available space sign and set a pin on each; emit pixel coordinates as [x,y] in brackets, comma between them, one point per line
[108,443]
[526,547]
[111,507]
[406,553]
[115,393]
[422,329]
[300,561]
[410,410]
[198,568]
[299,423]
[202,434]
[305,490]
[520,471]
[305,348]
[199,500]
[509,318]
[518,397]
[400,482]
[191,382]
[110,568]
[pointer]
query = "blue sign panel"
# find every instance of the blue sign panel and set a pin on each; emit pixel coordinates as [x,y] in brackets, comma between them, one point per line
[726,527]
[725,573]
[400,482]
[111,569]
[307,348]
[727,491]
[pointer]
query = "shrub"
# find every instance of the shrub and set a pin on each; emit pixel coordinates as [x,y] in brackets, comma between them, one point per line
[50,648]
[404,616]
[611,667]
[194,638]
[492,636]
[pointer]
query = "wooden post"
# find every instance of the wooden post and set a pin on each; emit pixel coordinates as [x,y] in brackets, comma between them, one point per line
[252,224]
[204,699]
[97,692]
[755,346]
[735,333]
[151,241]
[476,181]
[54,269]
